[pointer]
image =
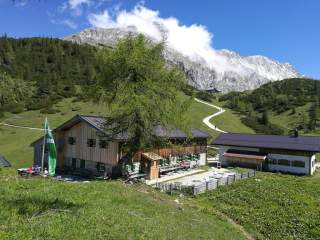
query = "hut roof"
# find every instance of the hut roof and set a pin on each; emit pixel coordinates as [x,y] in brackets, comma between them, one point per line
[98,123]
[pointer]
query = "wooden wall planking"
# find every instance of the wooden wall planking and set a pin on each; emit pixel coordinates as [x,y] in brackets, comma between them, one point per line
[82,132]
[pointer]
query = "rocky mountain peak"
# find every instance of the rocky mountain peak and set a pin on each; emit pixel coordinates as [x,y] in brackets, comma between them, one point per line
[229,72]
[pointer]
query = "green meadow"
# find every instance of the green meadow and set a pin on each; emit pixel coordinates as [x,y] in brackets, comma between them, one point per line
[48,209]
[269,206]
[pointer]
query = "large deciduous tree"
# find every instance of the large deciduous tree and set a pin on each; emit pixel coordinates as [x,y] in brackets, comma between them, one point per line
[141,89]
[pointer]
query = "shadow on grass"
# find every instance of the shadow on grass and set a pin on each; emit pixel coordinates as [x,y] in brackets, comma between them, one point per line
[37,206]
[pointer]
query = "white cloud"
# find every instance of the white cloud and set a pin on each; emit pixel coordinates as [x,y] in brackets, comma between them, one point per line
[69,23]
[194,41]
[74,4]
[21,3]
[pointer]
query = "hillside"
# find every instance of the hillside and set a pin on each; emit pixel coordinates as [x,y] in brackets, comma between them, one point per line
[271,206]
[100,210]
[41,71]
[20,153]
[279,107]
[47,209]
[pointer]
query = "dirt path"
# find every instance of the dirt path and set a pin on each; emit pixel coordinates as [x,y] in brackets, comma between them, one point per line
[16,126]
[222,216]
[207,119]
[247,235]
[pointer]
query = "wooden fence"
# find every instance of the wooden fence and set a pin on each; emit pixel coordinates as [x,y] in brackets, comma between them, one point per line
[204,186]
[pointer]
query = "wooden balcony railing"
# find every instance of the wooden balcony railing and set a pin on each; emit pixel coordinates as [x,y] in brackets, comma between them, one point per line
[174,151]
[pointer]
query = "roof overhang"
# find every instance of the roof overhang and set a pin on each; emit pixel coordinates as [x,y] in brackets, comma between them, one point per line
[245,156]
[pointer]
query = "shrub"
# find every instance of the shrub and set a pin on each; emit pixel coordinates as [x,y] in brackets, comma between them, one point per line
[14,108]
[253,122]
[50,110]
[205,96]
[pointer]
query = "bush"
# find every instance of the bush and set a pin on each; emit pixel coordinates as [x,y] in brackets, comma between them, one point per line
[205,96]
[50,110]
[74,109]
[269,129]
[14,108]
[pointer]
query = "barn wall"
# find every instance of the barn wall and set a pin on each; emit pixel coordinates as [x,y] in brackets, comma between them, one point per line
[223,149]
[292,169]
[80,150]
[277,154]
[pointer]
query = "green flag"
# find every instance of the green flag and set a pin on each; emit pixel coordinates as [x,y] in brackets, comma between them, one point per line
[52,152]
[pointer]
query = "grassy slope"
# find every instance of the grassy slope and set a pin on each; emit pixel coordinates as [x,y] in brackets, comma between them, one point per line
[15,143]
[287,120]
[46,209]
[229,121]
[271,206]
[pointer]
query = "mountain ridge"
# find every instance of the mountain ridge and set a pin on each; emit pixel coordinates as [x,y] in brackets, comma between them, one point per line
[231,72]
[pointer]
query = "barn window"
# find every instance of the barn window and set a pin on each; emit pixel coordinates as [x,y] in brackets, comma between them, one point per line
[82,164]
[91,142]
[72,140]
[298,164]
[101,167]
[74,163]
[284,162]
[103,143]
[272,161]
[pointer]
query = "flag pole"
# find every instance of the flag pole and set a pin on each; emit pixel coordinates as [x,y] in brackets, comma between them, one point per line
[43,145]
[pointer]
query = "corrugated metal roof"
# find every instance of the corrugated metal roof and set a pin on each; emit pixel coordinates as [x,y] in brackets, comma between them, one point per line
[300,143]
[160,131]
[197,133]
[163,132]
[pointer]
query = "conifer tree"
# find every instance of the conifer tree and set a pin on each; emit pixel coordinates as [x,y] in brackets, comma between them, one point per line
[142,91]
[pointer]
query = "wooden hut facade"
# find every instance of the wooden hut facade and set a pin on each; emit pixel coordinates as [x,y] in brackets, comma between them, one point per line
[81,144]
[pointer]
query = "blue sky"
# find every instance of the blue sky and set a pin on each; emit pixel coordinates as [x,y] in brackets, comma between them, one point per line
[285,30]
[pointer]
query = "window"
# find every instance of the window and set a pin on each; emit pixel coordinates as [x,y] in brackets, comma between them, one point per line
[72,140]
[273,161]
[284,162]
[298,164]
[91,142]
[103,143]
[82,164]
[101,167]
[74,163]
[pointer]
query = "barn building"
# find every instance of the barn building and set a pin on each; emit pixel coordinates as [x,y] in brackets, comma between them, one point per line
[81,144]
[291,154]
